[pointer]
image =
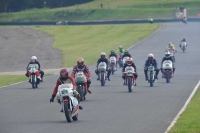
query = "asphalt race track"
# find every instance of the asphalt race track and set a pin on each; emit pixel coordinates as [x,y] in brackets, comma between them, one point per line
[111,109]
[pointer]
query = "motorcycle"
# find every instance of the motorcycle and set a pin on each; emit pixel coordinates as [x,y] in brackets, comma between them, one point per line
[151,73]
[80,79]
[129,77]
[33,68]
[124,60]
[184,20]
[68,102]
[113,64]
[167,70]
[120,60]
[183,46]
[102,72]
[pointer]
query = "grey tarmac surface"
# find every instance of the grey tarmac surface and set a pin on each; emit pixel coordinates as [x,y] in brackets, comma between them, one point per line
[111,109]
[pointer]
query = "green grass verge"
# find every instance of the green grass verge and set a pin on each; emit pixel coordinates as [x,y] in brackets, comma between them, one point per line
[89,41]
[118,9]
[189,121]
[11,79]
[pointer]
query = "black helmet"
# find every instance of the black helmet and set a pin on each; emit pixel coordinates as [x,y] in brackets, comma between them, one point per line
[184,39]
[126,52]
[112,52]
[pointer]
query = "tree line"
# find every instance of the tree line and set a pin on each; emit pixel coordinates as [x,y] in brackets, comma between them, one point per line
[19,5]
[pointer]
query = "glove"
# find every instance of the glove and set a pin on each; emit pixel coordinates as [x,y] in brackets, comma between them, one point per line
[52,98]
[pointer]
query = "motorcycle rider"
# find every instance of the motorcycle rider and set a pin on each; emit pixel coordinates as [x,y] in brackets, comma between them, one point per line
[167,57]
[129,62]
[112,53]
[170,46]
[83,67]
[103,59]
[34,61]
[126,54]
[152,61]
[120,50]
[184,40]
[63,79]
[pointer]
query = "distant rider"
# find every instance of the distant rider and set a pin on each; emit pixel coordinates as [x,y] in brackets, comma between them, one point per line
[103,59]
[34,61]
[83,67]
[169,47]
[64,79]
[148,62]
[126,54]
[167,57]
[112,53]
[120,50]
[184,40]
[129,62]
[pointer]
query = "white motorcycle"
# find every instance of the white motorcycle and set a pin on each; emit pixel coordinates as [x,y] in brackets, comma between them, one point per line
[129,77]
[124,60]
[69,103]
[113,64]
[167,70]
[102,72]
[33,68]
[151,73]
[183,46]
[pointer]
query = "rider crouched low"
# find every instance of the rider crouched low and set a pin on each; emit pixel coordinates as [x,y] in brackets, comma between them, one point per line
[126,54]
[148,62]
[85,69]
[103,59]
[167,57]
[129,62]
[112,53]
[63,79]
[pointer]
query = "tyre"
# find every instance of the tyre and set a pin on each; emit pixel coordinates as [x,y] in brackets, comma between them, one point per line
[33,81]
[68,114]
[129,84]
[183,49]
[151,80]
[75,118]
[102,79]
[167,77]
[80,91]
[112,70]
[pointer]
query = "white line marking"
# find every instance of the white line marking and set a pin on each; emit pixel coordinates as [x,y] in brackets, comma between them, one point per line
[184,107]
[147,37]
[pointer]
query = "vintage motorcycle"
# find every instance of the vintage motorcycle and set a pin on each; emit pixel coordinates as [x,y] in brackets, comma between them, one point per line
[151,74]
[102,72]
[167,70]
[183,46]
[33,68]
[113,64]
[129,77]
[80,79]
[69,103]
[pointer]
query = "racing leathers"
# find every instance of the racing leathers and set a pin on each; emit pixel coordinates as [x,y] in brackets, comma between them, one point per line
[86,71]
[152,62]
[123,69]
[115,55]
[126,55]
[169,58]
[107,68]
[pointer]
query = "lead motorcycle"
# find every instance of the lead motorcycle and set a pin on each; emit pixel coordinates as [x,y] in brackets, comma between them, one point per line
[183,46]
[69,103]
[33,68]
[80,79]
[151,74]
[113,64]
[167,70]
[102,73]
[129,77]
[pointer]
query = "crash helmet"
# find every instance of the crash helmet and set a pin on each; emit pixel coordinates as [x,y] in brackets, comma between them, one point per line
[126,52]
[112,52]
[103,55]
[80,62]
[33,59]
[64,73]
[167,54]
[120,47]
[129,61]
[150,56]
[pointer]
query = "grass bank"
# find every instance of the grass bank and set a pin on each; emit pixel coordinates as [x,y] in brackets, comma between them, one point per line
[11,79]
[111,10]
[89,41]
[189,121]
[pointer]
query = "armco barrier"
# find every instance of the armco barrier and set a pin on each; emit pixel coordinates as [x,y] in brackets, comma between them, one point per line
[100,22]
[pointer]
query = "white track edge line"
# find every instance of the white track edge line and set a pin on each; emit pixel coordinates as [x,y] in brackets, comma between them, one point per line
[183,108]
[128,48]
[147,37]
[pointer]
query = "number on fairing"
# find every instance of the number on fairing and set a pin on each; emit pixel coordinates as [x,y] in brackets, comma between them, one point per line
[64,92]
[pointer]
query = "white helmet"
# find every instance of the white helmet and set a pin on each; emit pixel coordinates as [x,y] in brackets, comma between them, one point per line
[33,58]
[120,47]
